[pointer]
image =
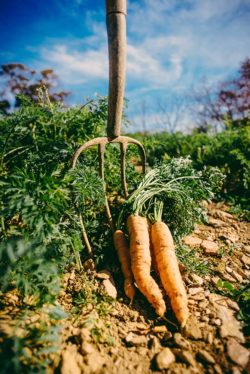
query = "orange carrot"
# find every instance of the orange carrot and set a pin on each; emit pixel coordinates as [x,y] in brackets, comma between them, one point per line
[163,246]
[141,262]
[122,248]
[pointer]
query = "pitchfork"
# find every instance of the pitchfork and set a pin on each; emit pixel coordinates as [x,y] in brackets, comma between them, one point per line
[116,29]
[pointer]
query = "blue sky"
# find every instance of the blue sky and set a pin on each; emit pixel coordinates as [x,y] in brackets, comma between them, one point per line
[172,46]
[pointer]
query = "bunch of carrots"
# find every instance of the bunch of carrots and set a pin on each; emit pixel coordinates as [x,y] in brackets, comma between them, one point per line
[150,241]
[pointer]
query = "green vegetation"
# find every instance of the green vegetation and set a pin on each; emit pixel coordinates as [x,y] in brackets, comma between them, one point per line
[228,150]
[41,198]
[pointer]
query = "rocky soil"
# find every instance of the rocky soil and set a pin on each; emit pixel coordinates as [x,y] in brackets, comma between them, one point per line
[125,338]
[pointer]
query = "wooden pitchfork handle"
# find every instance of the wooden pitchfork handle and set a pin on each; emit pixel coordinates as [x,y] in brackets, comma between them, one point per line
[116,29]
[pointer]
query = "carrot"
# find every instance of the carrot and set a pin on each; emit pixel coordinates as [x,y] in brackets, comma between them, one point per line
[167,264]
[141,262]
[122,248]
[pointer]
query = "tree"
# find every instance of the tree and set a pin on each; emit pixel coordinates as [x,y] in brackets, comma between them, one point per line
[170,112]
[19,79]
[229,102]
[233,98]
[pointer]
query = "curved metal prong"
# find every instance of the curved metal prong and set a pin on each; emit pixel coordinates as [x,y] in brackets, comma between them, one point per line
[123,147]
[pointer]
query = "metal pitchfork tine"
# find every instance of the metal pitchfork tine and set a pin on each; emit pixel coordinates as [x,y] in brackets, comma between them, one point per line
[116,29]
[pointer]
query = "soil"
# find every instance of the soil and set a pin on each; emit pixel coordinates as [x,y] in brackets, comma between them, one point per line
[125,338]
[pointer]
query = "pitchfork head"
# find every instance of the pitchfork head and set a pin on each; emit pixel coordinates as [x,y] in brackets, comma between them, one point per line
[101,143]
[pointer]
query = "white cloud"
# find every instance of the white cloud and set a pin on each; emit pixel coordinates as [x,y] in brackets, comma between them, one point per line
[172,44]
[74,67]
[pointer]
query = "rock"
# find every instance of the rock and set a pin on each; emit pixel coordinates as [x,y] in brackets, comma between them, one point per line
[230,326]
[109,288]
[233,305]
[237,353]
[223,215]
[103,274]
[185,356]
[206,356]
[207,293]
[228,269]
[246,260]
[164,359]
[192,241]
[198,297]
[197,279]
[247,249]
[228,277]
[210,248]
[192,329]
[216,322]
[159,329]
[195,290]
[203,304]
[216,222]
[155,345]
[204,319]
[180,341]
[236,370]
[237,276]
[191,301]
[135,340]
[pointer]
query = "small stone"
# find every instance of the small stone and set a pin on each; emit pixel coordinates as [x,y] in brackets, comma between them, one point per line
[191,301]
[159,329]
[164,359]
[216,222]
[206,356]
[109,288]
[228,278]
[192,329]
[247,249]
[198,297]
[216,322]
[103,274]
[197,314]
[210,338]
[236,370]
[155,345]
[228,269]
[210,248]
[203,304]
[204,319]
[230,326]
[180,341]
[233,305]
[237,353]
[135,340]
[197,279]
[185,356]
[246,260]
[195,290]
[192,241]
[237,276]
[207,293]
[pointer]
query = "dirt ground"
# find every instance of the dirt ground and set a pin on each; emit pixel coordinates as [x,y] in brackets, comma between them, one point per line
[125,338]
